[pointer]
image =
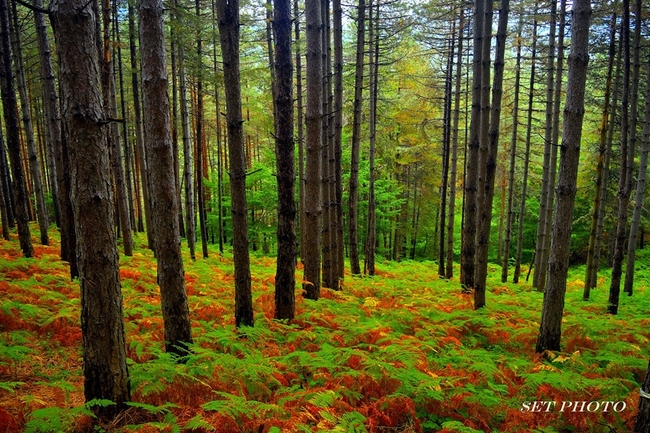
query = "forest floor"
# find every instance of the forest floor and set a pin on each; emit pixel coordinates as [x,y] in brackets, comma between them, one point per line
[403,351]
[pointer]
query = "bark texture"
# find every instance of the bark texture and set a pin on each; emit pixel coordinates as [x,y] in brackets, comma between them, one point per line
[228,21]
[160,159]
[102,324]
[313,209]
[10,111]
[285,280]
[553,306]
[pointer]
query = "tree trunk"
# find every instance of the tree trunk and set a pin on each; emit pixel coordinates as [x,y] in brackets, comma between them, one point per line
[539,277]
[633,236]
[468,245]
[485,217]
[524,180]
[160,160]
[327,175]
[28,128]
[627,160]
[353,203]
[313,209]
[102,324]
[301,132]
[446,149]
[338,253]
[553,306]
[449,271]
[373,40]
[228,15]
[115,147]
[188,175]
[5,180]
[10,112]
[602,150]
[285,280]
[510,215]
[218,119]
[199,157]
[139,131]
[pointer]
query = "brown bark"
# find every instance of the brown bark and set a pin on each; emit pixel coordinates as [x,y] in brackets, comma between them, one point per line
[468,250]
[160,159]
[553,306]
[353,203]
[591,267]
[313,209]
[200,146]
[28,128]
[10,111]
[102,325]
[228,16]
[485,217]
[285,280]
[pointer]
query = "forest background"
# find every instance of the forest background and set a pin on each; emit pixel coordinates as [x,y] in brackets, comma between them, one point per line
[413,142]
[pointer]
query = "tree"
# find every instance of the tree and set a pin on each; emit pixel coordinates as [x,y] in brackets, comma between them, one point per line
[353,203]
[553,306]
[640,190]
[102,324]
[52,113]
[627,161]
[28,129]
[467,256]
[285,280]
[160,160]
[228,17]
[603,151]
[489,164]
[10,111]
[115,147]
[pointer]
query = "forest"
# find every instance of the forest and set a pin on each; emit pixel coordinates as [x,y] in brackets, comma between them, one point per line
[296,216]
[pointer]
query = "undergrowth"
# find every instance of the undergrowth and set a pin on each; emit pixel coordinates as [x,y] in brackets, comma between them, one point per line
[403,351]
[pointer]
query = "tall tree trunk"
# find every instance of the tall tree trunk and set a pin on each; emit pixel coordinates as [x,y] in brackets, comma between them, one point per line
[539,277]
[449,271]
[446,149]
[313,121]
[510,215]
[327,175]
[53,126]
[52,121]
[485,217]
[115,147]
[125,136]
[28,128]
[600,172]
[160,159]
[102,325]
[353,203]
[218,118]
[373,55]
[285,280]
[468,245]
[139,131]
[524,180]
[627,160]
[174,43]
[634,228]
[301,132]
[200,157]
[228,15]
[338,253]
[553,306]
[12,125]
[188,175]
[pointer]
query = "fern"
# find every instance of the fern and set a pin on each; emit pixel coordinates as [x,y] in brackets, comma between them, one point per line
[10,386]
[458,427]
[238,408]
